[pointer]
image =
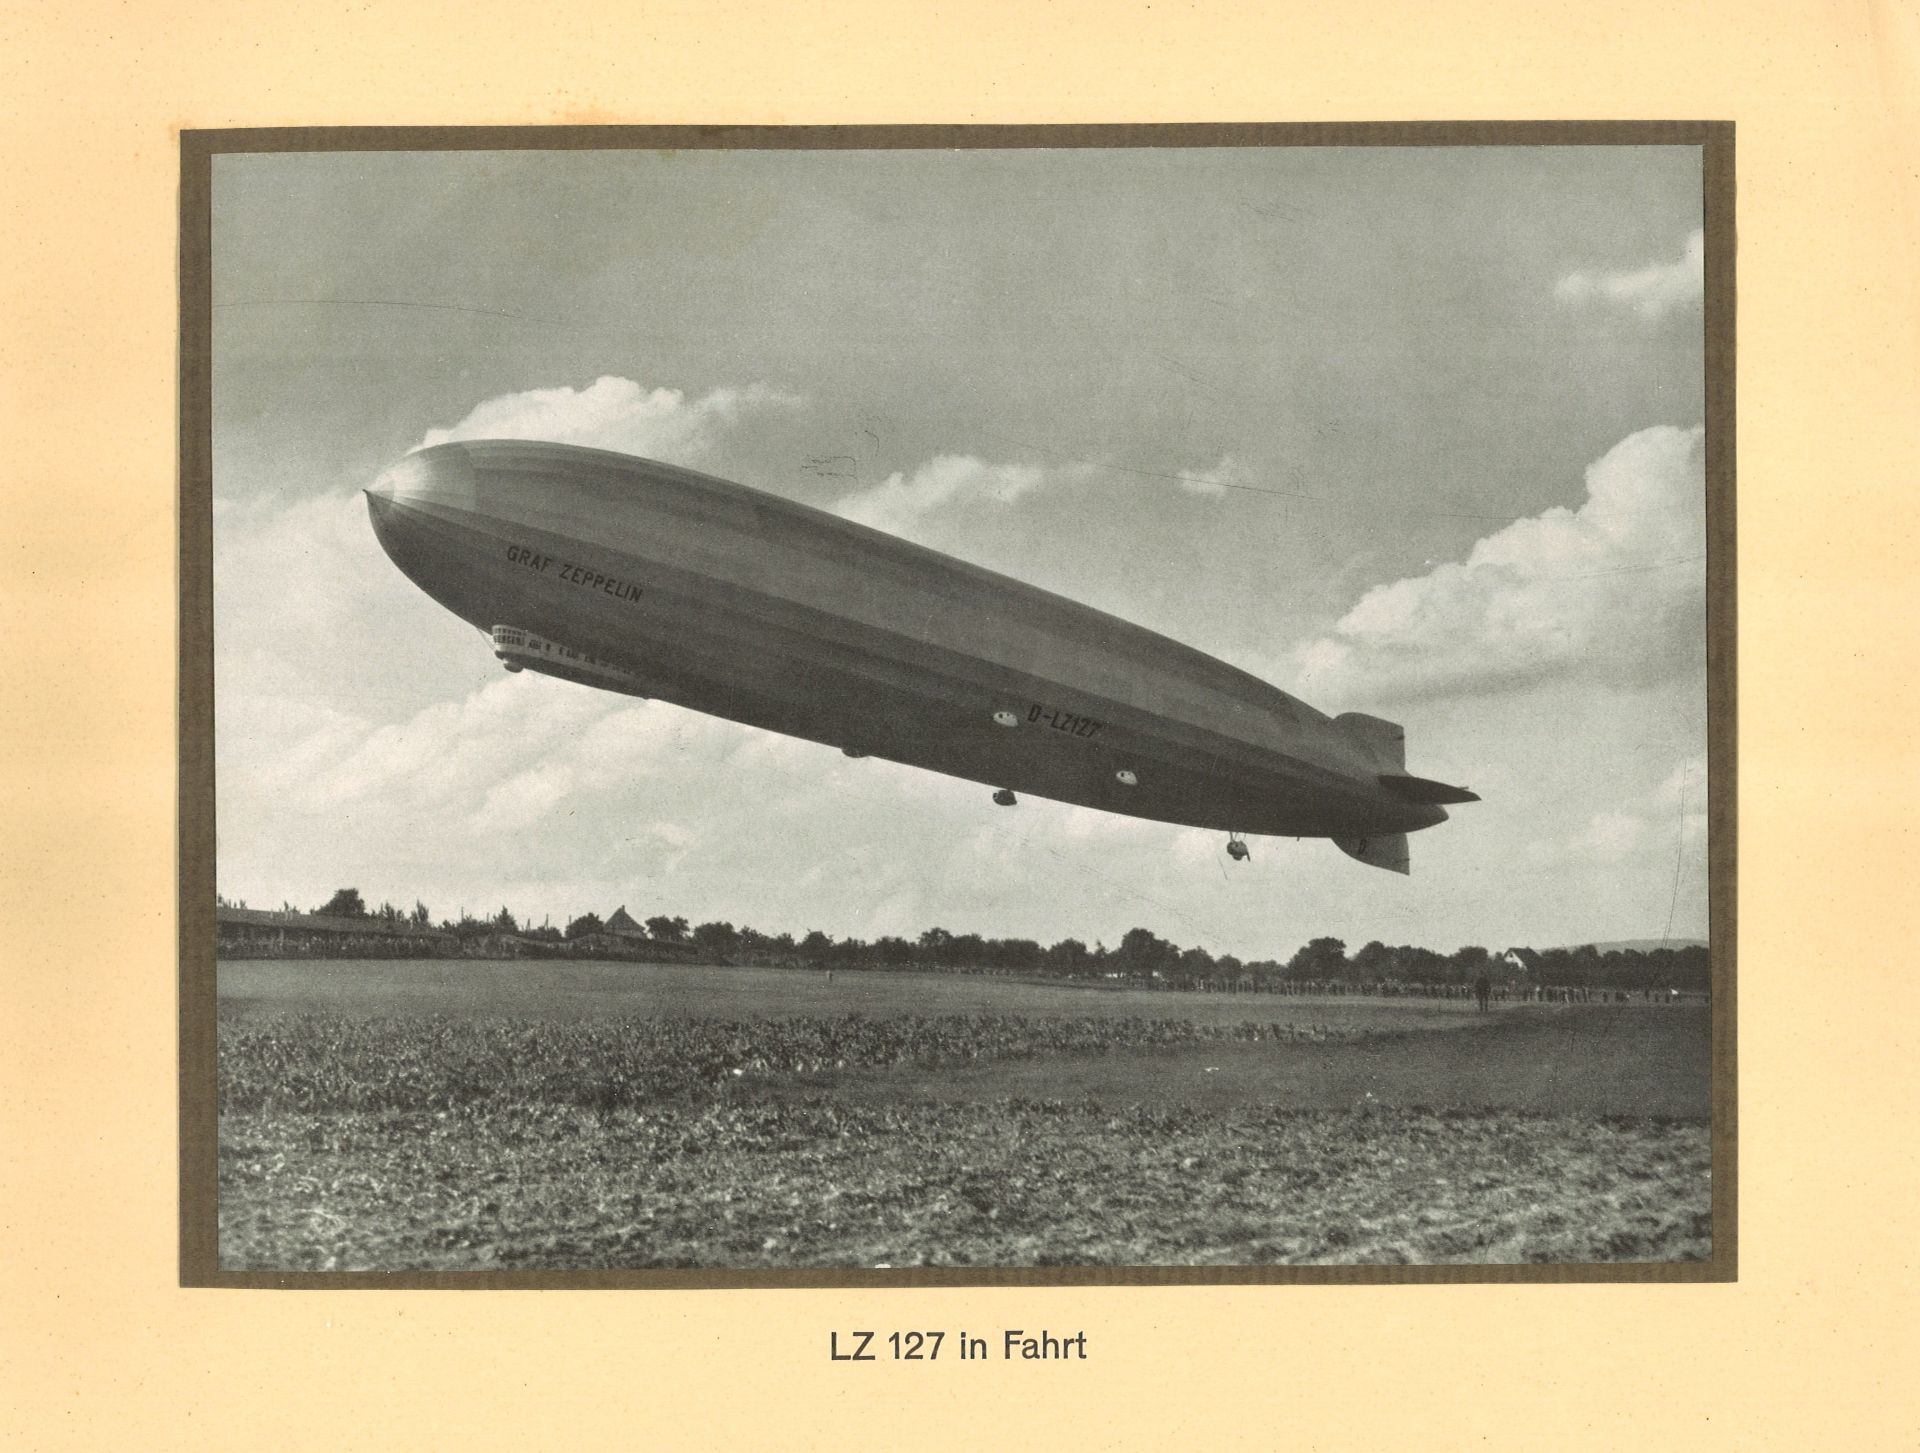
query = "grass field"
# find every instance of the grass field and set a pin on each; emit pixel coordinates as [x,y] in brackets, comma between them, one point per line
[483,989]
[436,1115]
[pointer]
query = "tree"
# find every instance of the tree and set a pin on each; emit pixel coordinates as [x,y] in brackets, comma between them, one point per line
[667,930]
[504,922]
[471,927]
[1465,965]
[585,924]
[716,938]
[1196,963]
[1143,951]
[345,903]
[1375,962]
[420,917]
[1322,958]
[1069,957]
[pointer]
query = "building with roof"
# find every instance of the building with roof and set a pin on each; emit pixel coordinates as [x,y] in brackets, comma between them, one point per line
[238,931]
[622,923]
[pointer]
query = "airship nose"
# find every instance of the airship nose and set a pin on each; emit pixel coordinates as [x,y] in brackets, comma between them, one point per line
[416,508]
[379,501]
[436,481]
[384,502]
[439,476]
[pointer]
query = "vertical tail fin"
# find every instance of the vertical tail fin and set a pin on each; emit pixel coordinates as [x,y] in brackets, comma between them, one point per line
[1384,743]
[1382,850]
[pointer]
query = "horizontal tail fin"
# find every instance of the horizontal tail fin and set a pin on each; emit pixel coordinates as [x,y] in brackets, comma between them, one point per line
[1424,789]
[1382,850]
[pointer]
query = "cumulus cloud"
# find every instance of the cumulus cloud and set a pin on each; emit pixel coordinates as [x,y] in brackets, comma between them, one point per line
[1611,592]
[1610,836]
[900,500]
[1672,817]
[293,567]
[1652,291]
[524,798]
[619,414]
[1685,793]
[310,616]
[899,915]
[299,584]
[511,755]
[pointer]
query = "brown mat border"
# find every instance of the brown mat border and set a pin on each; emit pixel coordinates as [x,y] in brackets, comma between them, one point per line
[198,1005]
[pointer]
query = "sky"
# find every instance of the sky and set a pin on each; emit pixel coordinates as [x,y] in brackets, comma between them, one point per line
[1411,431]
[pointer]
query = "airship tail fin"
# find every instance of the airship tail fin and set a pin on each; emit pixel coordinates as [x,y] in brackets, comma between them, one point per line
[1382,850]
[1384,743]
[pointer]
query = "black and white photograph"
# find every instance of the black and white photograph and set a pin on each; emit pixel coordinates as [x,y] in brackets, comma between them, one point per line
[787,705]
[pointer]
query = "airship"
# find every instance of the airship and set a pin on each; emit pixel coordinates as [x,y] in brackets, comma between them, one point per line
[645,578]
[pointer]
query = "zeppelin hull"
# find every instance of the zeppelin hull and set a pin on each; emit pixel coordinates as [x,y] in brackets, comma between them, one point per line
[764,612]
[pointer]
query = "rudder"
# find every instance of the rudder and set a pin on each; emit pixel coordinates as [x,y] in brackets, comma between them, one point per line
[1384,743]
[1383,850]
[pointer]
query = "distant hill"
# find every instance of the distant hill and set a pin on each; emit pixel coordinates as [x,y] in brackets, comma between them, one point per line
[1643,944]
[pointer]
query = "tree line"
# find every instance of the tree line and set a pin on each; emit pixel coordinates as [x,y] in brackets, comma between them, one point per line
[1140,956]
